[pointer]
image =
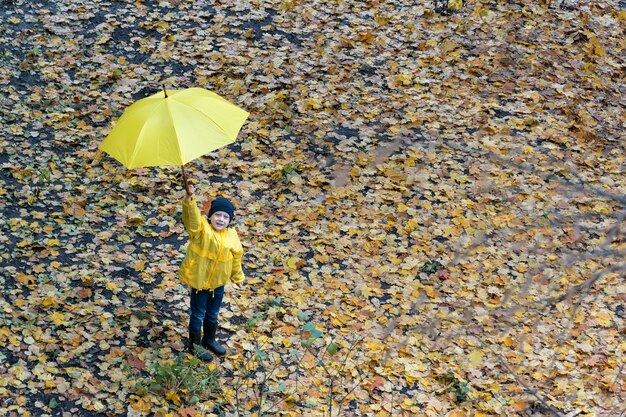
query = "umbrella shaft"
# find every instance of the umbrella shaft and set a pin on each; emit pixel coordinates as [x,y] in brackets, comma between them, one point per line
[186,184]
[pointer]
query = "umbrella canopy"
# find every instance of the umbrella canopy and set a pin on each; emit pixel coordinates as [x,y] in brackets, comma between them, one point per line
[173,128]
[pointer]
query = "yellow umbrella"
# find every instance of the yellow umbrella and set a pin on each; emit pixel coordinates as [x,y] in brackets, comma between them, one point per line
[173,128]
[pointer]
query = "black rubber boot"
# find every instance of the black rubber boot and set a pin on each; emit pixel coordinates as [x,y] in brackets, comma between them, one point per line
[194,341]
[208,340]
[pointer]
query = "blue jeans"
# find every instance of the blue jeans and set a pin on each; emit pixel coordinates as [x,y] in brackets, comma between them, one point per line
[205,306]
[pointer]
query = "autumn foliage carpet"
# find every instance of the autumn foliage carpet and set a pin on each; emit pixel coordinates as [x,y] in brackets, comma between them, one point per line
[431,204]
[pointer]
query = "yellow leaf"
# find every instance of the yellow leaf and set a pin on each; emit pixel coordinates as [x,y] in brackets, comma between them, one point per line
[172,396]
[14,341]
[394,129]
[589,68]
[111,286]
[604,318]
[288,4]
[431,292]
[411,225]
[98,406]
[448,44]
[602,207]
[47,302]
[57,318]
[265,133]
[291,262]
[455,4]
[413,371]
[140,265]
[140,405]
[475,357]
[315,103]
[509,342]
[161,26]
[457,413]
[595,47]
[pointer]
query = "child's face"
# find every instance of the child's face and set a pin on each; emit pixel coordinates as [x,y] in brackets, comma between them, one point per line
[220,220]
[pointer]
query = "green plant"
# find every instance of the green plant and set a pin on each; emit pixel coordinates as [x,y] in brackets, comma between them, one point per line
[252,375]
[264,378]
[333,366]
[290,169]
[431,267]
[290,173]
[34,52]
[183,380]
[458,387]
[311,333]
[116,74]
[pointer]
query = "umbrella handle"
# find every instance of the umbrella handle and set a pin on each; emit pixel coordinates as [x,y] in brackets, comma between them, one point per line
[185,182]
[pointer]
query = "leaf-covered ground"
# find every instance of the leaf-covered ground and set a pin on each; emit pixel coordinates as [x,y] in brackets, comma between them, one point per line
[445,192]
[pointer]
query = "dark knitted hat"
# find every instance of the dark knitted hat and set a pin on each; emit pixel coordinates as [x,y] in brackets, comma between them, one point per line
[222,204]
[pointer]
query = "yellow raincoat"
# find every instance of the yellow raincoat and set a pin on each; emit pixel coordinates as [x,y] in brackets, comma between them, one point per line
[213,257]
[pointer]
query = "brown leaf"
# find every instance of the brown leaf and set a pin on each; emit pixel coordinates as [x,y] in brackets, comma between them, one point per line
[135,362]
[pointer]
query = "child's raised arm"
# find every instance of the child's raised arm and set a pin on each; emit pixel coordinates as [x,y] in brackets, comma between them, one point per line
[192,218]
[191,213]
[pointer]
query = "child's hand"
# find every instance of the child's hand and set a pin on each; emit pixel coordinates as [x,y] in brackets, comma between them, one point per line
[236,287]
[189,192]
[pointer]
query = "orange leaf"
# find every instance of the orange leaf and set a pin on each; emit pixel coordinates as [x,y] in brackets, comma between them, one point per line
[25,279]
[74,210]
[188,412]
[519,405]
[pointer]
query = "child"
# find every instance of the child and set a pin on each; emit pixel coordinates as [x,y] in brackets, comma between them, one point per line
[213,259]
